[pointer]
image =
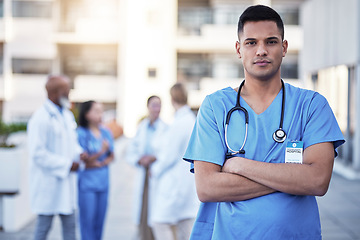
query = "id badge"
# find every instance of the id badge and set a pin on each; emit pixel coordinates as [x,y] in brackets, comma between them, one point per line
[294,152]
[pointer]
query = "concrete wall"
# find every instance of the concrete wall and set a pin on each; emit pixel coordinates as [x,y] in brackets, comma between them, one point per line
[330,33]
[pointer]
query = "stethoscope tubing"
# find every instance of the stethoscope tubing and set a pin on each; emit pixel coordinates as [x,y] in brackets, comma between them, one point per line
[238,107]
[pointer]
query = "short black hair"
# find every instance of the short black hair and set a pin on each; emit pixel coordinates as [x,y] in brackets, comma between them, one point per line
[84,109]
[260,13]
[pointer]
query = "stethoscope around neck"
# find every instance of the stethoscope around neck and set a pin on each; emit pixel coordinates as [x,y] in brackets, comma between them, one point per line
[279,135]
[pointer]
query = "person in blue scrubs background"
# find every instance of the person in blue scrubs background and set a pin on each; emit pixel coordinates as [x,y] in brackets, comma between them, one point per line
[260,193]
[93,177]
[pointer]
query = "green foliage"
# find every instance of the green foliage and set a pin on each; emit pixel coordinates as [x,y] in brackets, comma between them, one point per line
[6,129]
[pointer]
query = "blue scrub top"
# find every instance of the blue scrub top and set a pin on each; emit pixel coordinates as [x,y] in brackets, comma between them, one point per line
[94,179]
[307,117]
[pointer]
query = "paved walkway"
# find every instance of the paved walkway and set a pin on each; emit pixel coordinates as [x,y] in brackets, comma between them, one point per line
[339,208]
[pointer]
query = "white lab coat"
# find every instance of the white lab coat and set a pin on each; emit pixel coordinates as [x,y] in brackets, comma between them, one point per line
[135,151]
[175,197]
[53,147]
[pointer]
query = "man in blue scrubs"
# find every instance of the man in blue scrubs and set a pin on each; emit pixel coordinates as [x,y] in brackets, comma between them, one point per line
[268,191]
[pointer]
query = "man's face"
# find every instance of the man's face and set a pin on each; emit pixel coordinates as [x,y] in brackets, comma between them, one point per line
[261,49]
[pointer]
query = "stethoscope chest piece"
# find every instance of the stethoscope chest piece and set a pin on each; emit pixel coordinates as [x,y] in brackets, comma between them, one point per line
[279,135]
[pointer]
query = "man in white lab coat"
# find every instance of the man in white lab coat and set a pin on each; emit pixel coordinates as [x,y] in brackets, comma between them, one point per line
[175,201]
[141,154]
[54,154]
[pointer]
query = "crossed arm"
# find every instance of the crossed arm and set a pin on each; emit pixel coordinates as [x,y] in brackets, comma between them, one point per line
[241,179]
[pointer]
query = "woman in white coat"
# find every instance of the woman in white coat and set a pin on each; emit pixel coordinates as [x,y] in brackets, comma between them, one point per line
[175,200]
[141,155]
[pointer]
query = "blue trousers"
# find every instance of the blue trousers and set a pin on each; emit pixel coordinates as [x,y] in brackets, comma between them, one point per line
[92,211]
[43,225]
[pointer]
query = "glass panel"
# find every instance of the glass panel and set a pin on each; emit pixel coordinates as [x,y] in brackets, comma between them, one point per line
[31,9]
[89,60]
[192,68]
[1,8]
[31,66]
[190,20]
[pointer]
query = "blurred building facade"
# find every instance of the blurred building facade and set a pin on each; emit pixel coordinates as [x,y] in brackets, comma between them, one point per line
[119,52]
[330,64]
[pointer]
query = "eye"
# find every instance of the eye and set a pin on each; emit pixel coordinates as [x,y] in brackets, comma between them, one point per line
[250,43]
[272,42]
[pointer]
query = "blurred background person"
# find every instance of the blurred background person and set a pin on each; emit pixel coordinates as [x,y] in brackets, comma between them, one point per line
[93,178]
[54,152]
[175,200]
[140,154]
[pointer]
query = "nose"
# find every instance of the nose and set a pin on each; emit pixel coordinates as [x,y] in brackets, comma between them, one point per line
[261,50]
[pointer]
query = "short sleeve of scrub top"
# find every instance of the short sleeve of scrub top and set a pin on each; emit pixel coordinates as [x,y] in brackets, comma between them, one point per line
[82,137]
[321,125]
[206,142]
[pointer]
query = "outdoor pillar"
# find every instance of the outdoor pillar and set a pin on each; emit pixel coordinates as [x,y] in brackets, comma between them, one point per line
[356,142]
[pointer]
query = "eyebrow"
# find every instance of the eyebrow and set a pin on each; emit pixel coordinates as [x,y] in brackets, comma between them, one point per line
[269,38]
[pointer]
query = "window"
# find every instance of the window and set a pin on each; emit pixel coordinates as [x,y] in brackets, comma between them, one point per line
[192,68]
[89,60]
[1,8]
[152,72]
[31,66]
[289,66]
[289,71]
[289,16]
[31,9]
[190,20]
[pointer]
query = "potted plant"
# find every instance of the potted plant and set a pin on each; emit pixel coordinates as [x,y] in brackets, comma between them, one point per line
[10,156]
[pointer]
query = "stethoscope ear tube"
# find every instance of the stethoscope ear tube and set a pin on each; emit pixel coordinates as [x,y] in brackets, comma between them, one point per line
[237,108]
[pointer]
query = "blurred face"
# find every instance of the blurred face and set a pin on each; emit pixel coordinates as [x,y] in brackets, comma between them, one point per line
[154,108]
[94,115]
[261,49]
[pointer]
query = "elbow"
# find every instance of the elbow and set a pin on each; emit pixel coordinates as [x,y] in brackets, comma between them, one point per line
[205,194]
[320,187]
[321,190]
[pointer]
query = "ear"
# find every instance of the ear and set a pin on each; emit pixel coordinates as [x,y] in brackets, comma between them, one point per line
[237,47]
[284,47]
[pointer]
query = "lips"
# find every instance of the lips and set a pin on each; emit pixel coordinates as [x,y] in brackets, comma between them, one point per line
[261,62]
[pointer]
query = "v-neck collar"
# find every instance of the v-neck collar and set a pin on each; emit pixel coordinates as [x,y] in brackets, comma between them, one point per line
[244,104]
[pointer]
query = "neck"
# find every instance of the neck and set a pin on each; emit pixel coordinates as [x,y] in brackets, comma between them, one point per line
[261,88]
[152,120]
[177,106]
[93,126]
[54,101]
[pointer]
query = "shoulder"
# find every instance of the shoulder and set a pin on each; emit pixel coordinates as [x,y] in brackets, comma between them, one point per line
[105,131]
[308,97]
[81,131]
[219,101]
[69,114]
[221,95]
[40,116]
[143,123]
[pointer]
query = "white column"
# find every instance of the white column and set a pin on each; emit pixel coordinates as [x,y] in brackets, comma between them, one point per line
[7,56]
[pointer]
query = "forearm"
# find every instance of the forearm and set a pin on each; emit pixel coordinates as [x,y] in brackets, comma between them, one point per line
[108,160]
[94,157]
[217,186]
[297,179]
